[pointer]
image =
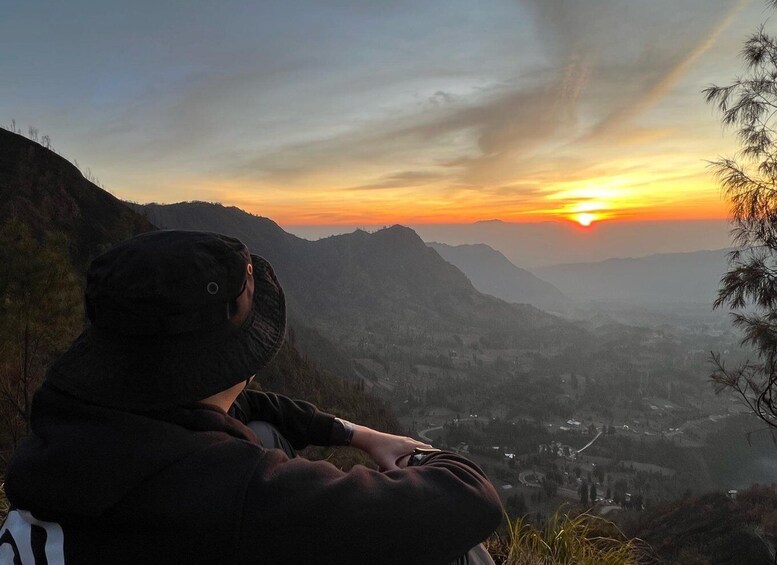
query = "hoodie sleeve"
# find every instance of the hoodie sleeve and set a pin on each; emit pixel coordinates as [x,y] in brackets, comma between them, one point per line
[427,515]
[300,422]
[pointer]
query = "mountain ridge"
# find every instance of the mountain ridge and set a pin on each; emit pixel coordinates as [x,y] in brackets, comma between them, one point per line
[492,273]
[690,276]
[367,280]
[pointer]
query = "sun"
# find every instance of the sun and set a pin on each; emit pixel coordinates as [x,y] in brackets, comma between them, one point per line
[585,219]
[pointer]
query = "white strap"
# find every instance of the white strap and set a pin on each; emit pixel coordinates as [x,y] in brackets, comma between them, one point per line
[16,540]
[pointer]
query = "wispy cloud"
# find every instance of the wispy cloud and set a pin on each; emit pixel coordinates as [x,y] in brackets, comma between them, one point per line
[616,121]
[589,89]
[400,179]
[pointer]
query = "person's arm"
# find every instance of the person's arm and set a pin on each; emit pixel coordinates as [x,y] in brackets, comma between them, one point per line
[300,511]
[298,421]
[387,450]
[303,424]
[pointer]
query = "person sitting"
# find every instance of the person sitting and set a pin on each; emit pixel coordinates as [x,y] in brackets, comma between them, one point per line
[147,446]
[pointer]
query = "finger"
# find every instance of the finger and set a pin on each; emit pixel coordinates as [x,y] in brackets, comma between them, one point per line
[425,445]
[402,461]
[419,443]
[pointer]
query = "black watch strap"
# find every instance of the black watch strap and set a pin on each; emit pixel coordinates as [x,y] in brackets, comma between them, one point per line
[420,455]
[342,432]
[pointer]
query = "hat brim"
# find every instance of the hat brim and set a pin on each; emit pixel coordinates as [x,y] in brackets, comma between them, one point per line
[155,372]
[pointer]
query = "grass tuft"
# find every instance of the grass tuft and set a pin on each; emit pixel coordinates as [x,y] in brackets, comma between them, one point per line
[584,539]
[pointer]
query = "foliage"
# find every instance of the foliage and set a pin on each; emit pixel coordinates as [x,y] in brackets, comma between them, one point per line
[583,539]
[515,505]
[42,190]
[40,313]
[749,181]
[713,528]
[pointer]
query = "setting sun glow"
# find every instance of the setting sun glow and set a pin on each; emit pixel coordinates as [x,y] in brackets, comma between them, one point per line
[585,219]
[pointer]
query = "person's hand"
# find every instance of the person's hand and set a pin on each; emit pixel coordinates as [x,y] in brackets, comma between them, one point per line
[387,450]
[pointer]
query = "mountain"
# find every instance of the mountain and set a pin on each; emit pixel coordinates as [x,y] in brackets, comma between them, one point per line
[662,278]
[388,281]
[48,193]
[541,244]
[492,273]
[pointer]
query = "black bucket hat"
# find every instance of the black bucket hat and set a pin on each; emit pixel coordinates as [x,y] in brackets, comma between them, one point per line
[159,333]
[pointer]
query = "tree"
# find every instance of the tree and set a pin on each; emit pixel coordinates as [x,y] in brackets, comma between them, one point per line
[549,486]
[40,313]
[749,182]
[592,493]
[584,493]
[516,505]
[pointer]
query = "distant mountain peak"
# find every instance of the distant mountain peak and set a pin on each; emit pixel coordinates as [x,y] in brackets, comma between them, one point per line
[399,233]
[491,221]
[397,228]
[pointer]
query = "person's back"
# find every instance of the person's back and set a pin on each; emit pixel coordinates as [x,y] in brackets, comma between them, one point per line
[140,452]
[127,488]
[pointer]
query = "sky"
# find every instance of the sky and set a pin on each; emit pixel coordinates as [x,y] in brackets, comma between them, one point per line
[369,113]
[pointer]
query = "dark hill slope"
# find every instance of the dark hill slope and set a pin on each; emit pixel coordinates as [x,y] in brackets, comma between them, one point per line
[713,529]
[385,279]
[492,273]
[48,193]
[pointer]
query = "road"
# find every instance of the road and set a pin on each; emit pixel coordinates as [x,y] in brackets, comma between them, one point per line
[589,444]
[426,438]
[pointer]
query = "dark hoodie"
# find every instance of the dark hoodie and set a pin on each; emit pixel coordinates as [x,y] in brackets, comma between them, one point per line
[192,485]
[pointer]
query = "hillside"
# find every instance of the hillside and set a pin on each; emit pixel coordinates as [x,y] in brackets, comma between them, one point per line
[492,273]
[713,528]
[662,278]
[48,193]
[293,375]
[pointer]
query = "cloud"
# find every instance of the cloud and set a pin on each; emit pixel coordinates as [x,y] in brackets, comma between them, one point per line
[441,98]
[603,68]
[617,120]
[402,179]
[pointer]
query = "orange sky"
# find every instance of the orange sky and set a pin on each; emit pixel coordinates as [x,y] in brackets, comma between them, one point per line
[372,114]
[629,197]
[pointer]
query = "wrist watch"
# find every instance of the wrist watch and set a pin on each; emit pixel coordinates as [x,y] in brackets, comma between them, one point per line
[342,432]
[420,455]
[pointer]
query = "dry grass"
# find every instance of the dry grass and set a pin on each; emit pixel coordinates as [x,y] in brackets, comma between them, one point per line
[4,504]
[584,539]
